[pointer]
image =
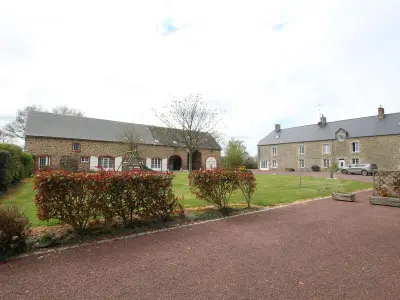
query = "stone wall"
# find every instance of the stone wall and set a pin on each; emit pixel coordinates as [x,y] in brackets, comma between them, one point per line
[56,148]
[381,150]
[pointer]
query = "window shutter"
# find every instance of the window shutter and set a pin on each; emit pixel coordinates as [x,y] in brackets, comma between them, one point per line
[118,162]
[94,161]
[164,164]
[148,162]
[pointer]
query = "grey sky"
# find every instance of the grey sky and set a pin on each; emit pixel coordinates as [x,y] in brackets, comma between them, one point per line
[262,61]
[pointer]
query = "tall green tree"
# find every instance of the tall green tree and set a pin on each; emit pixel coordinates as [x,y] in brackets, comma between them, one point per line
[235,154]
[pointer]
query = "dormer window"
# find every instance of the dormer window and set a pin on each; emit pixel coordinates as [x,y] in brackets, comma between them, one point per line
[341,134]
[175,142]
[157,141]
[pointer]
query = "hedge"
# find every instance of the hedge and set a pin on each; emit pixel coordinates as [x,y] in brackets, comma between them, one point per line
[77,198]
[19,166]
[216,186]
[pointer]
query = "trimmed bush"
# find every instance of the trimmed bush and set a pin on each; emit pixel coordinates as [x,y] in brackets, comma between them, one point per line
[4,158]
[76,198]
[315,168]
[14,226]
[214,186]
[289,170]
[27,163]
[247,184]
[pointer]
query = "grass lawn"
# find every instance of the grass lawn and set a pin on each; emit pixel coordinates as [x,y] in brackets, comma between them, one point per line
[271,190]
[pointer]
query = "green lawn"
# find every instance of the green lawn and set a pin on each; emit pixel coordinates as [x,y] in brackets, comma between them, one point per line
[271,190]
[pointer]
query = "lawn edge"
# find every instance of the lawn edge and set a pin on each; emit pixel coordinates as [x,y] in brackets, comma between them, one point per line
[134,235]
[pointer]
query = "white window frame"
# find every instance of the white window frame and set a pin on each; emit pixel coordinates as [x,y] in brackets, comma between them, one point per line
[326,148]
[46,161]
[302,163]
[301,149]
[108,165]
[355,147]
[274,151]
[85,159]
[274,164]
[326,165]
[156,163]
[355,161]
[264,164]
[78,147]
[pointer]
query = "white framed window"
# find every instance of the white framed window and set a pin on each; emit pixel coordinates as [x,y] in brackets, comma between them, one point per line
[355,161]
[156,163]
[106,162]
[301,163]
[76,147]
[264,164]
[273,151]
[44,161]
[355,147]
[325,163]
[274,164]
[326,148]
[85,159]
[301,149]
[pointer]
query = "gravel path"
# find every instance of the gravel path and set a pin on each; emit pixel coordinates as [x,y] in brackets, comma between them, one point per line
[322,249]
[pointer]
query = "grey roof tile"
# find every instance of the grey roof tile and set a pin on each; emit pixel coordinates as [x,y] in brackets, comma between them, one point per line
[45,124]
[359,127]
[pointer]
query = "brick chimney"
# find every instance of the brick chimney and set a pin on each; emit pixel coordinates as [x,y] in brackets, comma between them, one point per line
[277,127]
[381,113]
[323,121]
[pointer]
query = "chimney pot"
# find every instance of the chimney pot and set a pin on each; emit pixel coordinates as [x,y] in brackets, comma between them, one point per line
[323,121]
[381,112]
[277,127]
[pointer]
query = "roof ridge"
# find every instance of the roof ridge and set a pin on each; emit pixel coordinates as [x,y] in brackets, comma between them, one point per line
[84,117]
[329,122]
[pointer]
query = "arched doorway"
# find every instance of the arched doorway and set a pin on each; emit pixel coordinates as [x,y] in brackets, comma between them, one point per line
[211,163]
[174,163]
[196,160]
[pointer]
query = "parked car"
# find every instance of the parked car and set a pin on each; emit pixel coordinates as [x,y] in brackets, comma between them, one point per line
[363,169]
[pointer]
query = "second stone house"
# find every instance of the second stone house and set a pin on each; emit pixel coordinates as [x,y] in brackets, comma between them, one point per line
[373,139]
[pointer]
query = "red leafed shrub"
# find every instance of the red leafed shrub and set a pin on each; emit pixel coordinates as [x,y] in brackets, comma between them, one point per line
[247,184]
[72,198]
[214,186]
[75,198]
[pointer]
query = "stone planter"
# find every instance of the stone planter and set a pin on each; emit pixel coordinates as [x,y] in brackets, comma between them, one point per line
[344,197]
[377,200]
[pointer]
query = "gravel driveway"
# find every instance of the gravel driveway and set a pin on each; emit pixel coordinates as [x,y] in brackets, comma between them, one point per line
[322,249]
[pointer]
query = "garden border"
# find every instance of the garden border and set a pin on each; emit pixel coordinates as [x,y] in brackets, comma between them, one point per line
[134,235]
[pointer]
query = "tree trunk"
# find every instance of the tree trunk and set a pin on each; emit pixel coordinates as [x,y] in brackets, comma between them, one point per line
[190,162]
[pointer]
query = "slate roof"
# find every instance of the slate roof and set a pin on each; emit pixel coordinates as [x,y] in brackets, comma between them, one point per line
[359,127]
[43,124]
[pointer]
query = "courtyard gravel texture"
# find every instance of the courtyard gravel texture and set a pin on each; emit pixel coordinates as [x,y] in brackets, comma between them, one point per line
[321,249]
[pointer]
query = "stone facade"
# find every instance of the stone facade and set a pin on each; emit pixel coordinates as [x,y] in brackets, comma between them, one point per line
[56,148]
[381,150]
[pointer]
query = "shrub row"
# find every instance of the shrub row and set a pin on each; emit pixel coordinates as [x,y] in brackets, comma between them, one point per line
[77,198]
[216,186]
[14,165]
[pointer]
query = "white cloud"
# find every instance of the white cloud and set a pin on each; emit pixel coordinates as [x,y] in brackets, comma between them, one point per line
[114,60]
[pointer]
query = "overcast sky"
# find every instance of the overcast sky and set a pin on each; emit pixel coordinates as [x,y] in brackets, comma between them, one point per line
[264,62]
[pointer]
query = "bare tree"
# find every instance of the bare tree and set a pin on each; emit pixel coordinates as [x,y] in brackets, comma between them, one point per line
[65,110]
[129,139]
[16,128]
[191,121]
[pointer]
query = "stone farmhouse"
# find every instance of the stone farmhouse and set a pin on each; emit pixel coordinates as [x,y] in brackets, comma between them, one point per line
[374,139]
[52,138]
